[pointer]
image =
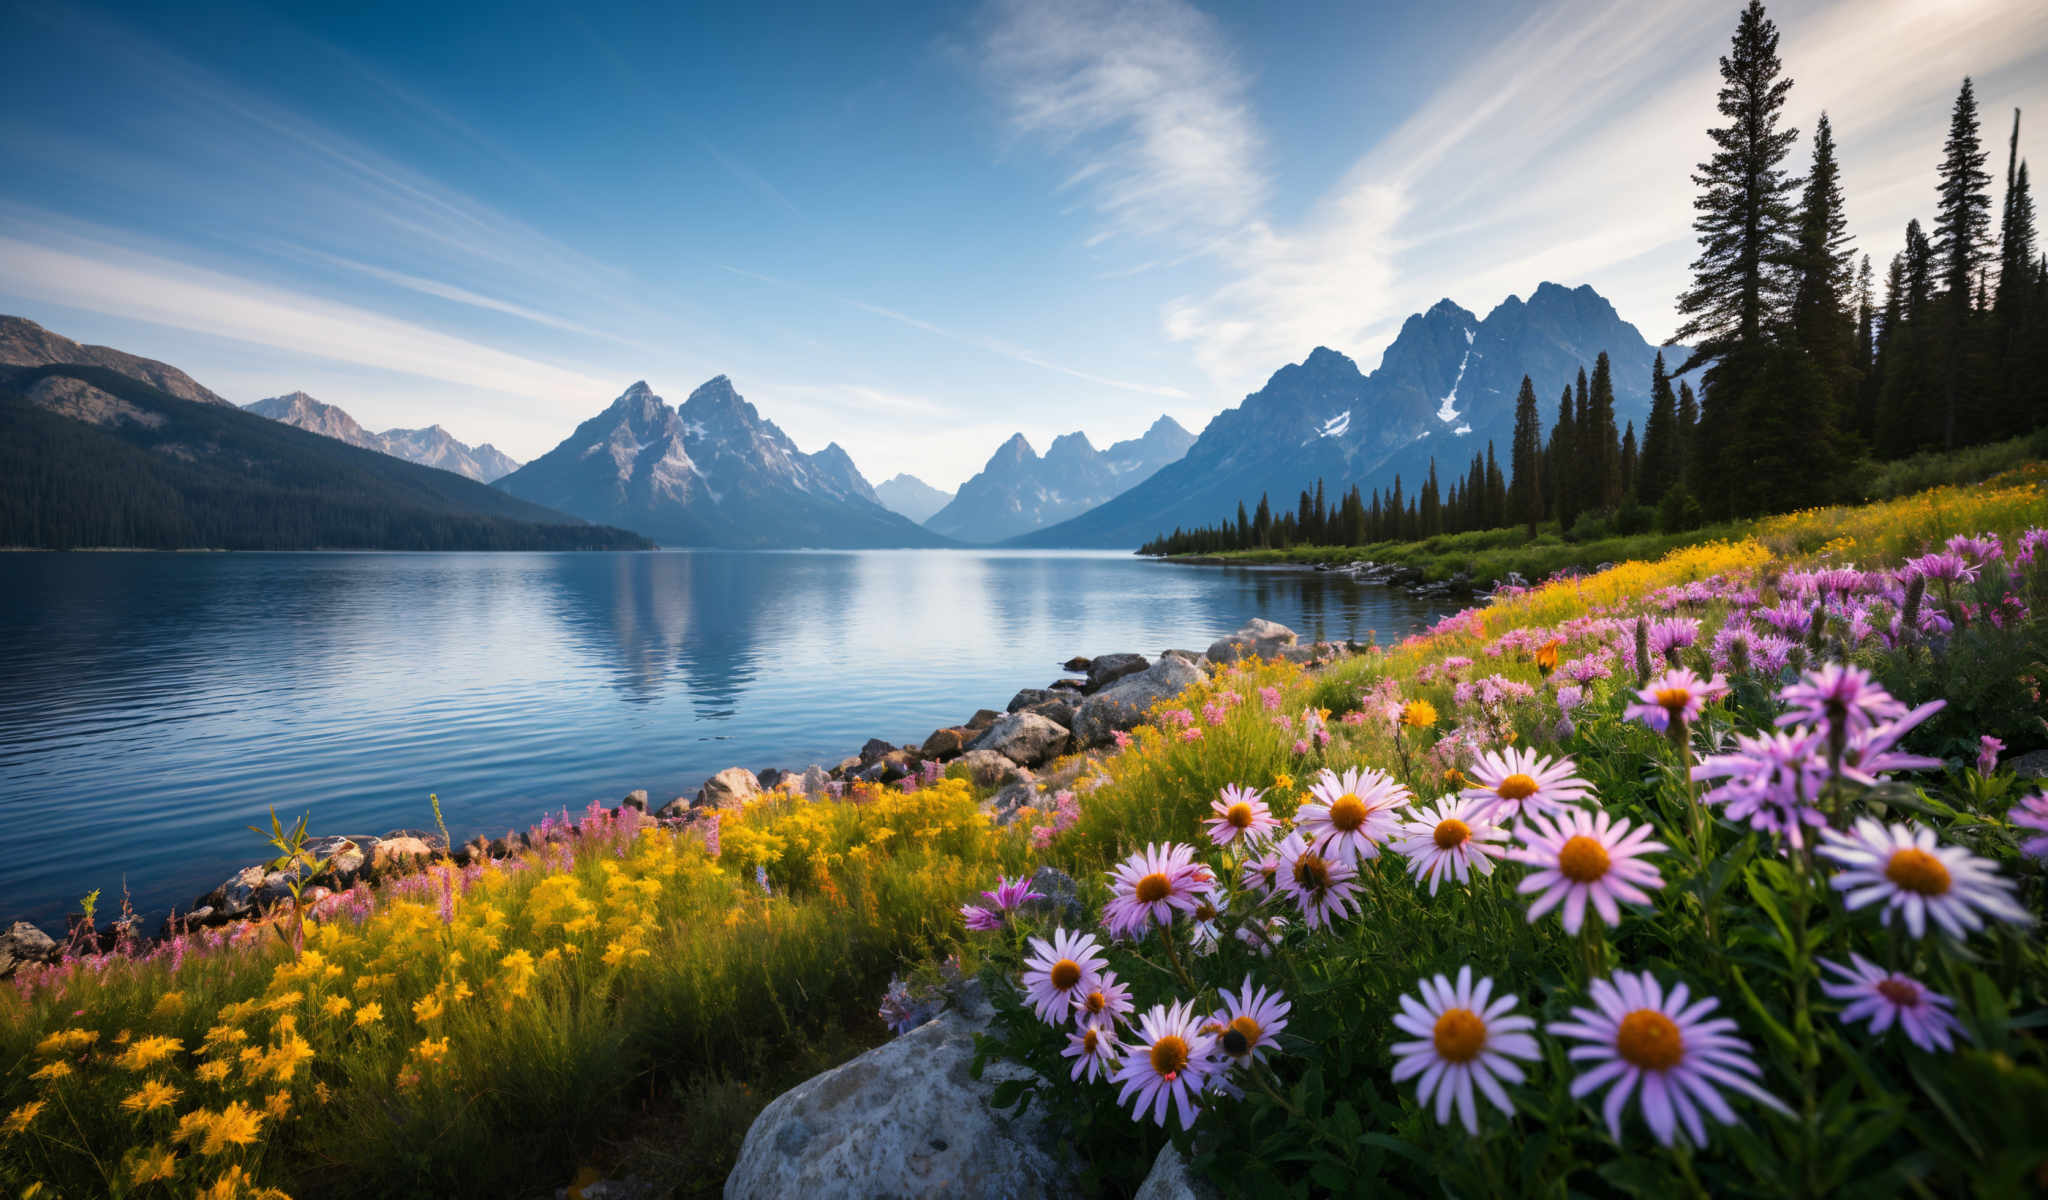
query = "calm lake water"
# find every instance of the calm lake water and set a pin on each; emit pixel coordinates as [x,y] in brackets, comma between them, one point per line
[154,705]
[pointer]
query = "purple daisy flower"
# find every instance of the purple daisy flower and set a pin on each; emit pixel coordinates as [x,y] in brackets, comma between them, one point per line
[1241,814]
[2032,813]
[1170,1064]
[1105,1002]
[1321,886]
[1839,697]
[1450,838]
[1464,1037]
[1352,813]
[1676,695]
[1678,1055]
[1094,1051]
[1516,782]
[1772,779]
[1059,971]
[1152,886]
[1904,868]
[1884,998]
[1585,857]
[1249,1023]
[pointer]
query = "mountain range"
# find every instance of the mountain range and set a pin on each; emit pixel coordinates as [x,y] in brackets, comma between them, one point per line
[710,472]
[430,447]
[1018,492]
[23,343]
[91,455]
[1444,388]
[912,497]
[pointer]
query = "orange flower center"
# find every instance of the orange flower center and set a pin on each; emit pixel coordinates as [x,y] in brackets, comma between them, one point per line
[1088,1040]
[1095,1002]
[1582,860]
[1460,1035]
[1516,787]
[1650,1040]
[1239,816]
[1311,872]
[1204,911]
[1673,699]
[1918,871]
[1065,974]
[1170,1055]
[1903,992]
[1347,812]
[1154,887]
[1451,834]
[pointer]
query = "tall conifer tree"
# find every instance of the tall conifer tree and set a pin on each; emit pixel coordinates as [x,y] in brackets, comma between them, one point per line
[1962,233]
[1526,458]
[1657,469]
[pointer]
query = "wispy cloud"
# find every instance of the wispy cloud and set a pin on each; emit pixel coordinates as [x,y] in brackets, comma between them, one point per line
[1560,150]
[48,266]
[1147,96]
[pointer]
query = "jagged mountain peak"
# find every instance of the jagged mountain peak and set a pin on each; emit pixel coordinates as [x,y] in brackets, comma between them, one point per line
[711,472]
[432,446]
[1070,446]
[1018,491]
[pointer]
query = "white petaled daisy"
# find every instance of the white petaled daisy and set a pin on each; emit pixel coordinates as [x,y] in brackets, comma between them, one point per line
[1248,1022]
[1057,971]
[1515,782]
[1152,886]
[1241,815]
[1321,886]
[1675,1053]
[1582,857]
[1450,838]
[1465,1037]
[1676,695]
[1170,1064]
[1884,997]
[1352,813]
[1903,867]
[1094,1051]
[1107,1002]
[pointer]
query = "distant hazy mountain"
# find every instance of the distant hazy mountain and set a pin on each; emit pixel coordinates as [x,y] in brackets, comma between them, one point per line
[1443,389]
[23,343]
[1018,492]
[91,456]
[430,447]
[911,496]
[709,473]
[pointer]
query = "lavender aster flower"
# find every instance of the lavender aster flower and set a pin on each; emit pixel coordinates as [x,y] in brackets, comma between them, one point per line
[1902,867]
[1884,998]
[2032,813]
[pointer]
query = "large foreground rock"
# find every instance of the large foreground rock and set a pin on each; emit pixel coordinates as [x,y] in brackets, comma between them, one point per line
[1024,738]
[729,789]
[986,768]
[905,1120]
[1124,703]
[1170,1179]
[1111,667]
[1258,639]
[22,944]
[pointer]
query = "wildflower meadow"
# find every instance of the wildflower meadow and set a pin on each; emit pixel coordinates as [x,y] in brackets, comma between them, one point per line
[1700,874]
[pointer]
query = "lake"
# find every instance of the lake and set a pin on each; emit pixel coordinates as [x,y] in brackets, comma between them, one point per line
[154,705]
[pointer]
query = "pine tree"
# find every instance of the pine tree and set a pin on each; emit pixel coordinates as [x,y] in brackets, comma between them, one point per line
[1962,231]
[1563,469]
[1585,483]
[1603,439]
[2018,319]
[1657,468]
[1909,416]
[1824,266]
[1688,436]
[1525,457]
[1744,221]
[1496,490]
[1628,461]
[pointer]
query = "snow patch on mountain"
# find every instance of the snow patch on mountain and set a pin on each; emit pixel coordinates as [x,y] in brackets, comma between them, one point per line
[1337,426]
[1448,410]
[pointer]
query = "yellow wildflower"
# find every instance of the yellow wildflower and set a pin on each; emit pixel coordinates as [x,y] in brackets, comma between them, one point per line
[284,1000]
[369,1014]
[152,1095]
[285,1059]
[215,1071]
[335,1006]
[427,1008]
[1283,782]
[431,1050]
[216,1132]
[238,1184]
[278,1104]
[168,1005]
[148,1052]
[52,1071]
[157,1162]
[18,1120]
[1418,714]
[66,1040]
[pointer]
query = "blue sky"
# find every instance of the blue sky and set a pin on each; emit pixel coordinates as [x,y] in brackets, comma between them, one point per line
[912,229]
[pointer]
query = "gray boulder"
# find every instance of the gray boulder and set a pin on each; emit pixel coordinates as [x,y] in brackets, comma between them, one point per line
[23,944]
[637,798]
[1004,806]
[982,719]
[1258,639]
[1059,710]
[1170,1179]
[728,789]
[906,1120]
[1026,739]
[986,768]
[1029,698]
[1111,667]
[1125,703]
[2031,765]
[945,743]
[1062,897]
[1076,663]
[815,780]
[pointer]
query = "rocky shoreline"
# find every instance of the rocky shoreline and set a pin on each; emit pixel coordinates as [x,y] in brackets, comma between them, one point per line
[1011,751]
[1397,576]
